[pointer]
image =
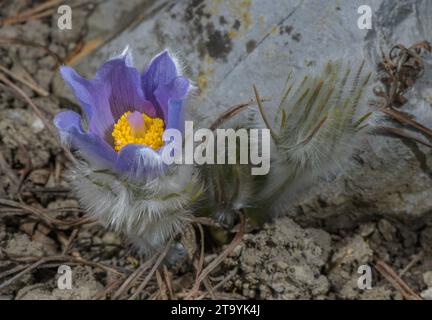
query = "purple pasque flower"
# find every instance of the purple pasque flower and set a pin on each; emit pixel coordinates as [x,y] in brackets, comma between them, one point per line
[126,113]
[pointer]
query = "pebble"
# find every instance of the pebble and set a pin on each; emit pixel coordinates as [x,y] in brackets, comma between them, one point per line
[111,238]
[427,278]
[427,294]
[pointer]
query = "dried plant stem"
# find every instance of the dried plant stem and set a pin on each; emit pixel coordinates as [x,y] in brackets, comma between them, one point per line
[388,273]
[38,112]
[168,282]
[415,259]
[38,261]
[102,293]
[162,286]
[23,272]
[200,263]
[4,167]
[39,11]
[234,243]
[12,271]
[222,282]
[34,87]
[399,116]
[43,6]
[45,217]
[314,131]
[402,67]
[263,114]
[152,271]
[132,277]
[69,242]
[232,111]
[403,134]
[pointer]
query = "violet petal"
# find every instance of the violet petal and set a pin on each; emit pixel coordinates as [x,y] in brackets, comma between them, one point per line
[126,91]
[94,149]
[93,95]
[159,72]
[137,161]
[177,89]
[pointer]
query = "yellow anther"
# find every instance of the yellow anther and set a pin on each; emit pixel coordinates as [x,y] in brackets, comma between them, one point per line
[150,135]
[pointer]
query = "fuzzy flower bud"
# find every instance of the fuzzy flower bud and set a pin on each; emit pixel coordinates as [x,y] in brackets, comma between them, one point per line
[122,178]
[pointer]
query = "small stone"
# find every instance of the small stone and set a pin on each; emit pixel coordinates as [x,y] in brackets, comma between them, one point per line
[39,176]
[427,278]
[37,125]
[387,230]
[237,251]
[58,204]
[426,294]
[84,234]
[281,265]
[278,288]
[111,238]
[366,229]
[97,240]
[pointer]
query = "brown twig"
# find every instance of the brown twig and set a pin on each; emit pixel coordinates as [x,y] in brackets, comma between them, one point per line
[4,167]
[12,271]
[38,261]
[61,258]
[23,272]
[402,118]
[102,293]
[162,286]
[45,217]
[38,112]
[232,111]
[152,271]
[391,276]
[69,242]
[39,90]
[404,134]
[399,71]
[415,259]
[168,282]
[200,262]
[33,13]
[46,9]
[206,221]
[129,281]
[224,280]
[263,114]
[237,239]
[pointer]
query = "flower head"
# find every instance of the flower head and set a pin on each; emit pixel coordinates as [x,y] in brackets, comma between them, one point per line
[120,138]
[126,113]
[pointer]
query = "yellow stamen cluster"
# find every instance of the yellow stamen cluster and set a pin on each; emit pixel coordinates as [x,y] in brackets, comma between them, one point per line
[152,136]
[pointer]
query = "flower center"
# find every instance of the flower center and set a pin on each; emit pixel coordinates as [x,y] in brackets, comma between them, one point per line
[138,128]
